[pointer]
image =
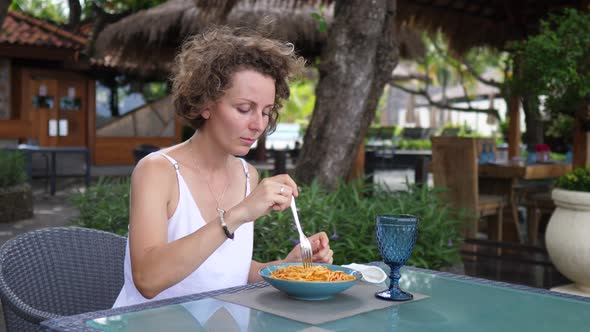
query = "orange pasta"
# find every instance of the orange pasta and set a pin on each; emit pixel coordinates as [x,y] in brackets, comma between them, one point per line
[315,273]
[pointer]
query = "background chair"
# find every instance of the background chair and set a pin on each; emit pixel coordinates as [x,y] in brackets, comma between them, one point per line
[143,150]
[535,197]
[59,271]
[538,205]
[454,166]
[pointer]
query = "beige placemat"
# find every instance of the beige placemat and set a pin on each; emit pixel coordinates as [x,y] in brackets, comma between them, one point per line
[358,299]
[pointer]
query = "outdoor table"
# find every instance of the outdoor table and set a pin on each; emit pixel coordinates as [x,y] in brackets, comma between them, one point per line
[500,178]
[454,303]
[52,152]
[514,171]
[418,159]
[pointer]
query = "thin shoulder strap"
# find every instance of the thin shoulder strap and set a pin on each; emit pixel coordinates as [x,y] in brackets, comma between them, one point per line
[172,161]
[247,172]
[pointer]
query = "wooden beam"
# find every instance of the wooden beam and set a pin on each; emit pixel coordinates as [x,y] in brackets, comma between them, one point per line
[15,129]
[119,150]
[581,137]
[91,119]
[514,127]
[580,148]
[37,53]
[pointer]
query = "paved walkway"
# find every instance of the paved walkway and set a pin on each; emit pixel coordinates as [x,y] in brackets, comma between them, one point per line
[49,211]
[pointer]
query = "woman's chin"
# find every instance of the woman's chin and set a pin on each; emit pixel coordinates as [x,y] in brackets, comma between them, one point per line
[241,151]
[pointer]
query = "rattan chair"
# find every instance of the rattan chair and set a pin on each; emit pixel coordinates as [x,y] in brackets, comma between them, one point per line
[59,271]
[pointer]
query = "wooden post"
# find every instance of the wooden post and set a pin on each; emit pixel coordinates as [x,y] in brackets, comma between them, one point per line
[581,138]
[357,170]
[261,149]
[514,127]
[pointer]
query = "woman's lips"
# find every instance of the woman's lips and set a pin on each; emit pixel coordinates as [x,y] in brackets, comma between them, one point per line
[249,141]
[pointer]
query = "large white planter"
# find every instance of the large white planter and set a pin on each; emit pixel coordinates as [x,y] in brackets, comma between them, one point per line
[568,236]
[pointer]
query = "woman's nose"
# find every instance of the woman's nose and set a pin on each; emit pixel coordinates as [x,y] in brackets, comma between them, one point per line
[257,122]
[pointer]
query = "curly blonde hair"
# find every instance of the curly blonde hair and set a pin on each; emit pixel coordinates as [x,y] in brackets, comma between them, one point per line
[207,61]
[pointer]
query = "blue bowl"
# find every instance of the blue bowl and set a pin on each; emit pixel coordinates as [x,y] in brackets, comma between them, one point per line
[309,290]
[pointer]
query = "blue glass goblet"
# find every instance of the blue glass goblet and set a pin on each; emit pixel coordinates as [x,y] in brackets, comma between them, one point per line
[396,236]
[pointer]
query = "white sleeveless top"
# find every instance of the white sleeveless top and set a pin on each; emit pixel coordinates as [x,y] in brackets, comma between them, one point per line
[228,266]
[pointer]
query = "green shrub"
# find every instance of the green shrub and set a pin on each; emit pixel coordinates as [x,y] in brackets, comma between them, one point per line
[347,215]
[349,220]
[104,206]
[577,180]
[378,132]
[12,168]
[414,144]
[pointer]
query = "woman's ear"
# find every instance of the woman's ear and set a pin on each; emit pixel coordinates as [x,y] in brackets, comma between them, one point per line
[206,113]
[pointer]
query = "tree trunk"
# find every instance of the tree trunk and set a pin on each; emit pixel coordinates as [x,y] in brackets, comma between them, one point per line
[533,121]
[4,5]
[358,60]
[75,13]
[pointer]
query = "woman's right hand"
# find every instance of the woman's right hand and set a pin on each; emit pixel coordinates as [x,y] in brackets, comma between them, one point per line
[272,193]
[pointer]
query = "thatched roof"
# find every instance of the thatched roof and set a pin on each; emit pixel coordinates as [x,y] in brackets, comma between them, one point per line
[469,23]
[148,40]
[145,43]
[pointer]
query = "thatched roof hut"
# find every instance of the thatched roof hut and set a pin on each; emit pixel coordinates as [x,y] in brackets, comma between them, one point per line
[469,23]
[145,43]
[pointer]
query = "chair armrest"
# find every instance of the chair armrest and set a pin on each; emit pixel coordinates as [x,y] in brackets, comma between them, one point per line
[20,308]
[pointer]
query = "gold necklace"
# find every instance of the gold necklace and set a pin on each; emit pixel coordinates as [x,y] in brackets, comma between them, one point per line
[218,201]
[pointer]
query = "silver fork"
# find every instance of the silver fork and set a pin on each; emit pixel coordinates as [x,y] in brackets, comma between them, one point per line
[306,251]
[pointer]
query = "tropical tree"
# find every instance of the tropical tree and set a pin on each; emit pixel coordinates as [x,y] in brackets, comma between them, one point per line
[357,62]
[46,10]
[102,11]
[441,68]
[556,63]
[4,5]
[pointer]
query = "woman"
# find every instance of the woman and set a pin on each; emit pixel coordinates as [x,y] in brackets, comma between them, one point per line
[193,204]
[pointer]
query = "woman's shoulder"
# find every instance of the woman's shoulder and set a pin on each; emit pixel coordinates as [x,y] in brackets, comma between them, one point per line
[152,164]
[251,170]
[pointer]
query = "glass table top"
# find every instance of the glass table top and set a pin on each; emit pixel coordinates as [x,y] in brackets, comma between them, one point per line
[454,304]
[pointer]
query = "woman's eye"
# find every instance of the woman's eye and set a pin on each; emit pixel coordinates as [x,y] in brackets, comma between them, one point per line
[265,113]
[243,110]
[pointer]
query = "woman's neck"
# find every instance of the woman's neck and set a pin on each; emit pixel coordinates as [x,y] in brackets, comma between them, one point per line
[207,153]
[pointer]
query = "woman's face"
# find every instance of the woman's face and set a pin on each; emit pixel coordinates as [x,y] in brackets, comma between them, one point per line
[241,115]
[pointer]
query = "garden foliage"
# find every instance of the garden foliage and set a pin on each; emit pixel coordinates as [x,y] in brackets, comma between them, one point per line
[104,206]
[577,180]
[555,61]
[12,168]
[347,215]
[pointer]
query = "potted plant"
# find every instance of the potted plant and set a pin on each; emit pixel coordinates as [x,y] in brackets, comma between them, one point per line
[16,198]
[568,232]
